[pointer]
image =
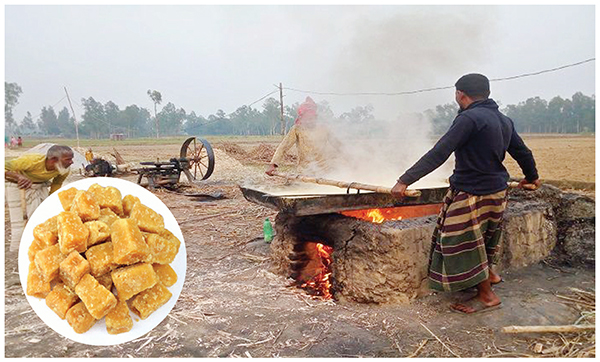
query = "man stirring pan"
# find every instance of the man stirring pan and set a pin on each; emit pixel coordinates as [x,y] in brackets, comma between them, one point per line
[469,224]
[32,173]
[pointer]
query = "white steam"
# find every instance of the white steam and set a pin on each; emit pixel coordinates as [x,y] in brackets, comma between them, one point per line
[421,47]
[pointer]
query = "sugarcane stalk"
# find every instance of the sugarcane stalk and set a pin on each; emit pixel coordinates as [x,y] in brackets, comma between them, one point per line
[343,184]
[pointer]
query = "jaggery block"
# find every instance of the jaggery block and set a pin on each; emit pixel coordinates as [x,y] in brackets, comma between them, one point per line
[35,246]
[105,280]
[150,300]
[97,299]
[118,320]
[73,268]
[60,299]
[99,232]
[165,274]
[146,218]
[133,279]
[128,202]
[48,261]
[100,258]
[129,246]
[85,206]
[66,198]
[109,197]
[169,235]
[36,285]
[72,234]
[162,250]
[107,216]
[79,318]
[47,231]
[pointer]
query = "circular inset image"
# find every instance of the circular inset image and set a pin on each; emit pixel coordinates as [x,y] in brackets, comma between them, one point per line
[98,334]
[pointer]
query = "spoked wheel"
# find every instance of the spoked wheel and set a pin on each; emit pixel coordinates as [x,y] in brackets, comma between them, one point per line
[200,156]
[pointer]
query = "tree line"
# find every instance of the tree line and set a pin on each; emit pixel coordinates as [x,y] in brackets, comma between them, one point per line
[535,115]
[100,120]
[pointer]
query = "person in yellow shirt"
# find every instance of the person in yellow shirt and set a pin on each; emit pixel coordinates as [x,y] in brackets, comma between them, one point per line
[39,175]
[89,155]
[314,143]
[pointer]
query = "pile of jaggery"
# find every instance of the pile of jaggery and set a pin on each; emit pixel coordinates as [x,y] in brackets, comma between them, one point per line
[100,257]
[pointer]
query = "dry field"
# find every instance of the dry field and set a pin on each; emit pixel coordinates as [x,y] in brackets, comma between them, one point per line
[561,158]
[233,305]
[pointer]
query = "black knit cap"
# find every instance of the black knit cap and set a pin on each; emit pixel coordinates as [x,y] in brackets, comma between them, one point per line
[474,85]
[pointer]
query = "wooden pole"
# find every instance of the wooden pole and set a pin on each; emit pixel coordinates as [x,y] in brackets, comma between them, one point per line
[76,126]
[156,120]
[281,104]
[344,184]
[573,328]
[361,186]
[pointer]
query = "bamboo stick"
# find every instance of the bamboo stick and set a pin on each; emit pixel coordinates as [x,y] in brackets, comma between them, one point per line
[367,187]
[344,184]
[549,329]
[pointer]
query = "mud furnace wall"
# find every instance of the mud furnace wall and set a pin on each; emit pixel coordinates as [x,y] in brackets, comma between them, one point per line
[387,263]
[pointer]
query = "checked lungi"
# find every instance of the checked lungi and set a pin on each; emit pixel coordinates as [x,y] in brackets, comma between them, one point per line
[34,196]
[465,240]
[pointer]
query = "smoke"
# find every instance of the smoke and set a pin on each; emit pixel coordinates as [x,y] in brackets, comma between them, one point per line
[377,152]
[420,48]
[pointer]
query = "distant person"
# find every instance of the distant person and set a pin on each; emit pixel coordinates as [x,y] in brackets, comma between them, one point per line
[89,155]
[13,142]
[6,141]
[19,142]
[310,138]
[469,224]
[40,175]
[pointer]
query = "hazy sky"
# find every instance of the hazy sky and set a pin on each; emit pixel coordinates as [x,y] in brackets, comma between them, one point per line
[204,58]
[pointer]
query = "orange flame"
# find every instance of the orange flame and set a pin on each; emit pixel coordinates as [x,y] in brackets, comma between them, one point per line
[393,213]
[374,215]
[321,283]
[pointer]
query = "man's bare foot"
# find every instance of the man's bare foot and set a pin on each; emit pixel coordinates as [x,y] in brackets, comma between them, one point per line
[475,305]
[494,278]
[485,299]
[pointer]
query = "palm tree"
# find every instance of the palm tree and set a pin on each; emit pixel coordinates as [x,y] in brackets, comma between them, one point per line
[156,98]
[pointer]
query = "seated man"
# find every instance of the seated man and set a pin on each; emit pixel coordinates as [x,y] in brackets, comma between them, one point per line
[311,140]
[32,173]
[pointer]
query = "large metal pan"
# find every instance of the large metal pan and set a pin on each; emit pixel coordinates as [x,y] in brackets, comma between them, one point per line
[302,205]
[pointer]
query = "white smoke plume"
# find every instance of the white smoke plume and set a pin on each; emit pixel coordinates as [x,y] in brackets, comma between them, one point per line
[420,48]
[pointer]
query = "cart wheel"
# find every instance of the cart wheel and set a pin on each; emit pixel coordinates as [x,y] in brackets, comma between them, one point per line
[200,156]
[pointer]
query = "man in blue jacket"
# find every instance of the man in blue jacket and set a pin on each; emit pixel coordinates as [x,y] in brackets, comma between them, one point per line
[469,225]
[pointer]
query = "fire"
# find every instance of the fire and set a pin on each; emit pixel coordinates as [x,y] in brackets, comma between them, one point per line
[320,284]
[393,213]
[374,215]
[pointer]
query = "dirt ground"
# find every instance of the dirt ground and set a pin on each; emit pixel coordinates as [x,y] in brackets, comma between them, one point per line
[232,305]
[569,158]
